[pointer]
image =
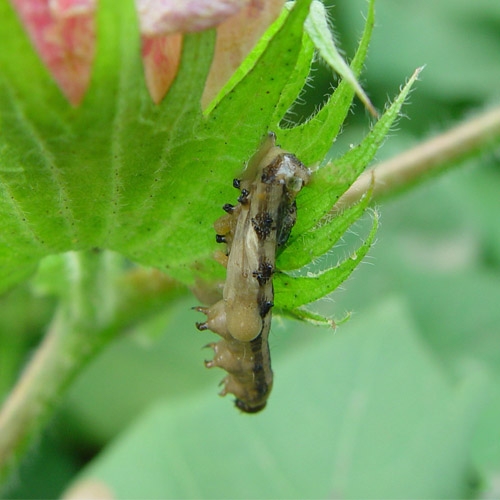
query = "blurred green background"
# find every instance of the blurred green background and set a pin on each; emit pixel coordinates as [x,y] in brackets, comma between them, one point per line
[402,401]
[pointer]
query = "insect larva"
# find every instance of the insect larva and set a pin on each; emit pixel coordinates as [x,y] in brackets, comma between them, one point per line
[253,230]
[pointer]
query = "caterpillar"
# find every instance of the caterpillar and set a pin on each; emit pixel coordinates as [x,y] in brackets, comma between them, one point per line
[253,231]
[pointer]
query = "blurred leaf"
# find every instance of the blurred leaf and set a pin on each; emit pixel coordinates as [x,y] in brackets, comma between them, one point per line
[373,404]
[486,447]
[437,249]
[160,358]
[478,192]
[45,475]
[458,46]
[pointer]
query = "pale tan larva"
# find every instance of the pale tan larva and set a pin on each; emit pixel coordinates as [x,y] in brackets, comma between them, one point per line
[253,230]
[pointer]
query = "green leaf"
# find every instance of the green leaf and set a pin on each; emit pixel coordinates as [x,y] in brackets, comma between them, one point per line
[263,82]
[295,83]
[321,35]
[292,292]
[367,404]
[312,140]
[119,172]
[332,180]
[249,61]
[305,248]
[303,314]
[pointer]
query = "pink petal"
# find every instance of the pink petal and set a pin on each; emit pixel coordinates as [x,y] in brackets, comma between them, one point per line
[161,55]
[161,17]
[63,33]
[236,37]
[68,8]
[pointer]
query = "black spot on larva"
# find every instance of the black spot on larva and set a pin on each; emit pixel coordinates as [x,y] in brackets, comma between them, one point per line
[262,388]
[269,173]
[236,183]
[264,273]
[257,367]
[264,307]
[243,198]
[262,224]
[286,219]
[220,238]
[228,208]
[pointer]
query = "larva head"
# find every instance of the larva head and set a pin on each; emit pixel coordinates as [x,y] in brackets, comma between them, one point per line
[295,173]
[285,168]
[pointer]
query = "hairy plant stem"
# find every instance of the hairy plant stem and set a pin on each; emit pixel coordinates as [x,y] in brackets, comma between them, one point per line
[43,381]
[96,306]
[428,158]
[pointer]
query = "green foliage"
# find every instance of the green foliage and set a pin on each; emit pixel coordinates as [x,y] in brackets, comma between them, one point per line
[317,28]
[111,173]
[331,427]
[326,123]
[314,286]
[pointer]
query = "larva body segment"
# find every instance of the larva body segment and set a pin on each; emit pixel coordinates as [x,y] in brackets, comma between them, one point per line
[253,230]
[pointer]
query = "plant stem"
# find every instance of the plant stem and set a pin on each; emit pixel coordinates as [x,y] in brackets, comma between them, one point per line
[97,304]
[428,158]
[35,394]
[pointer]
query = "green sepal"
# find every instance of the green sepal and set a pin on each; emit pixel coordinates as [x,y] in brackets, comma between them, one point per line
[119,172]
[312,140]
[322,37]
[306,247]
[303,314]
[332,180]
[292,292]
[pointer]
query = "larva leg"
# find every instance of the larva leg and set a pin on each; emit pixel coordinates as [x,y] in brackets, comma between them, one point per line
[249,371]
[216,319]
